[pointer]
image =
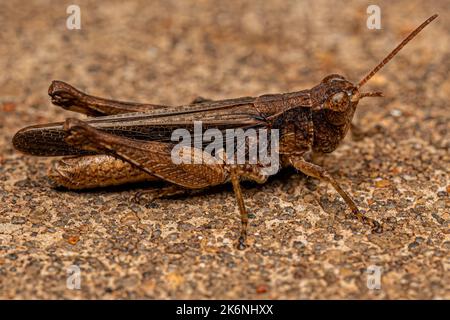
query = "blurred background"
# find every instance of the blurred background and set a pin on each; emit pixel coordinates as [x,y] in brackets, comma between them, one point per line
[169,52]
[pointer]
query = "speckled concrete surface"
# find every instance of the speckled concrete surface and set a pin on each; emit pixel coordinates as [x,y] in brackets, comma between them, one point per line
[301,244]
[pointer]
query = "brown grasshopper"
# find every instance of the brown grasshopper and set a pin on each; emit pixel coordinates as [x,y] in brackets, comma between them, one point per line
[127,142]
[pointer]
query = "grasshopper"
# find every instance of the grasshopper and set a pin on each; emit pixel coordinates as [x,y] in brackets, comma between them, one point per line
[125,142]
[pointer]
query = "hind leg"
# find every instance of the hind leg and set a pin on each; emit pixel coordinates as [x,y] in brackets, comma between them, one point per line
[68,97]
[64,95]
[151,195]
[93,171]
[156,158]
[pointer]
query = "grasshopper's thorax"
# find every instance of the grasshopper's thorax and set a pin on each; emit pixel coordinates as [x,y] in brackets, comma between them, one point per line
[334,103]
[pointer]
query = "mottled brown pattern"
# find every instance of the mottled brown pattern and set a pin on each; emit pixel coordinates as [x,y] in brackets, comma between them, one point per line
[84,172]
[301,245]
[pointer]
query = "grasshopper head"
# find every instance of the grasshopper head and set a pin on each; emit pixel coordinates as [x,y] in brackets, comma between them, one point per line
[334,93]
[336,98]
[340,97]
[334,101]
[337,94]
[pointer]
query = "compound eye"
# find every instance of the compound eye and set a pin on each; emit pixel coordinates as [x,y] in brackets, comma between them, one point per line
[337,98]
[339,101]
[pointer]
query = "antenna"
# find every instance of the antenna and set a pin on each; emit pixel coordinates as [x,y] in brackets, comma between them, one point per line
[395,51]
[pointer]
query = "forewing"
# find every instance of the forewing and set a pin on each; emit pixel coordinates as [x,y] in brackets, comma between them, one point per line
[159,124]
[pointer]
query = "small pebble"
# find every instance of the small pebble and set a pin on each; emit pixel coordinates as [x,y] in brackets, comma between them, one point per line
[18,220]
[73,240]
[261,289]
[382,183]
